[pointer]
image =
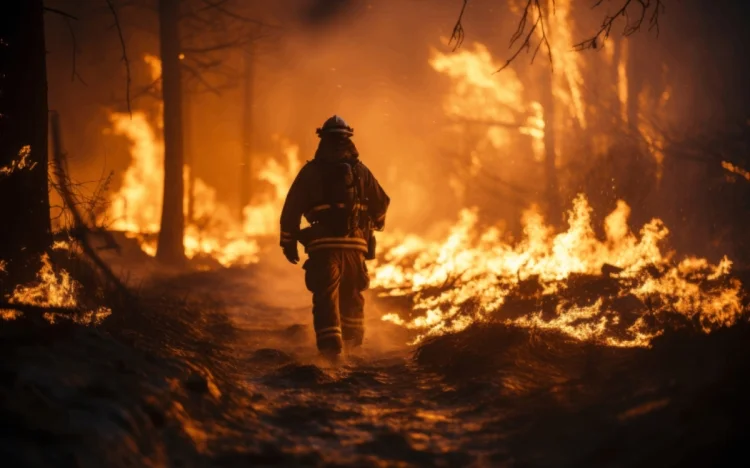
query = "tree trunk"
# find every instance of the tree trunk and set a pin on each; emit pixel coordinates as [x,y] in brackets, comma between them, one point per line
[170,248]
[189,157]
[246,167]
[24,197]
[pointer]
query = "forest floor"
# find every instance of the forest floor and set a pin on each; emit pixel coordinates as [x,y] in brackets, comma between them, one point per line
[218,368]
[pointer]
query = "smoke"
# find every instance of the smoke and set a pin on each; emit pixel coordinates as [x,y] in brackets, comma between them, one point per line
[323,12]
[369,63]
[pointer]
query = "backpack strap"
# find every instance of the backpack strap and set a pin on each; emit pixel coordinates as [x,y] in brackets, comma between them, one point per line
[356,207]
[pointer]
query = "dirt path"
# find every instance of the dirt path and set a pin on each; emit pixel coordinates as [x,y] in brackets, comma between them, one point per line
[219,368]
[524,400]
[373,407]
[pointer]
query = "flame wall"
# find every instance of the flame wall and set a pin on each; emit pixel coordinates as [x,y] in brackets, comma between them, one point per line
[371,63]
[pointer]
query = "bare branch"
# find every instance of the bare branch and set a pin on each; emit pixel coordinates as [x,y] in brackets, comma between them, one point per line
[213,48]
[60,12]
[458,33]
[74,73]
[527,27]
[124,53]
[219,5]
[532,7]
[198,76]
[80,229]
[655,7]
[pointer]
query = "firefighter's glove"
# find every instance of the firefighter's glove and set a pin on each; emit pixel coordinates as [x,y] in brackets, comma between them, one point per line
[290,252]
[378,225]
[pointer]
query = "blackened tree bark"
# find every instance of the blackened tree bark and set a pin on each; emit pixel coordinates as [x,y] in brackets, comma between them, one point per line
[24,199]
[189,155]
[170,248]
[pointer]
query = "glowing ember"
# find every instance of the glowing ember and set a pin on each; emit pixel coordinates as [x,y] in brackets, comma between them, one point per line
[53,289]
[736,170]
[470,274]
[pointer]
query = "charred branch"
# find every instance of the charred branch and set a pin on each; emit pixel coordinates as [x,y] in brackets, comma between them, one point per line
[80,228]
[648,11]
[74,73]
[212,48]
[458,33]
[534,16]
[199,77]
[210,31]
[124,53]
[60,12]
[531,22]
[221,7]
[532,9]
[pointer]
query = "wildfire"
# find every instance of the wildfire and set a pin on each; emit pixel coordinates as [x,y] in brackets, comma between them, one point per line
[567,84]
[53,289]
[622,289]
[214,232]
[470,275]
[479,96]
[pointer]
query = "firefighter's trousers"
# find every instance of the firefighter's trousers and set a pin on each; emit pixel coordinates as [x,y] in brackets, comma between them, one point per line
[337,278]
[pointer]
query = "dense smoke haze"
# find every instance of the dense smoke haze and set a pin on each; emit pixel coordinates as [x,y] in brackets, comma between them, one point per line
[370,62]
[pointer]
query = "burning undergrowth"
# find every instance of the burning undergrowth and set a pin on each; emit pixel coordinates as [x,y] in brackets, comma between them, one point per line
[65,287]
[212,231]
[623,290]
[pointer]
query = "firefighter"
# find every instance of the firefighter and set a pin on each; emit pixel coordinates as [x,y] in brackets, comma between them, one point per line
[343,203]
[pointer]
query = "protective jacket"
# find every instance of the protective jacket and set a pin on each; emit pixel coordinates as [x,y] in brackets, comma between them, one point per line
[340,198]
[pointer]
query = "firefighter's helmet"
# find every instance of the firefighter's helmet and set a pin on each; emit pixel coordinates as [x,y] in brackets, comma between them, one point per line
[335,124]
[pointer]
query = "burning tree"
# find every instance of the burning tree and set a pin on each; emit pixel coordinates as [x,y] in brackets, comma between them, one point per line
[623,288]
[194,40]
[599,105]
[170,248]
[33,284]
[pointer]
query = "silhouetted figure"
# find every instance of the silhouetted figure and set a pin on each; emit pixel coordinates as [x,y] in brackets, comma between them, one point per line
[344,203]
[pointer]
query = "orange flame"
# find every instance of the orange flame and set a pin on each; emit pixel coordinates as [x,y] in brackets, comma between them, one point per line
[480,96]
[136,207]
[736,170]
[53,289]
[479,266]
